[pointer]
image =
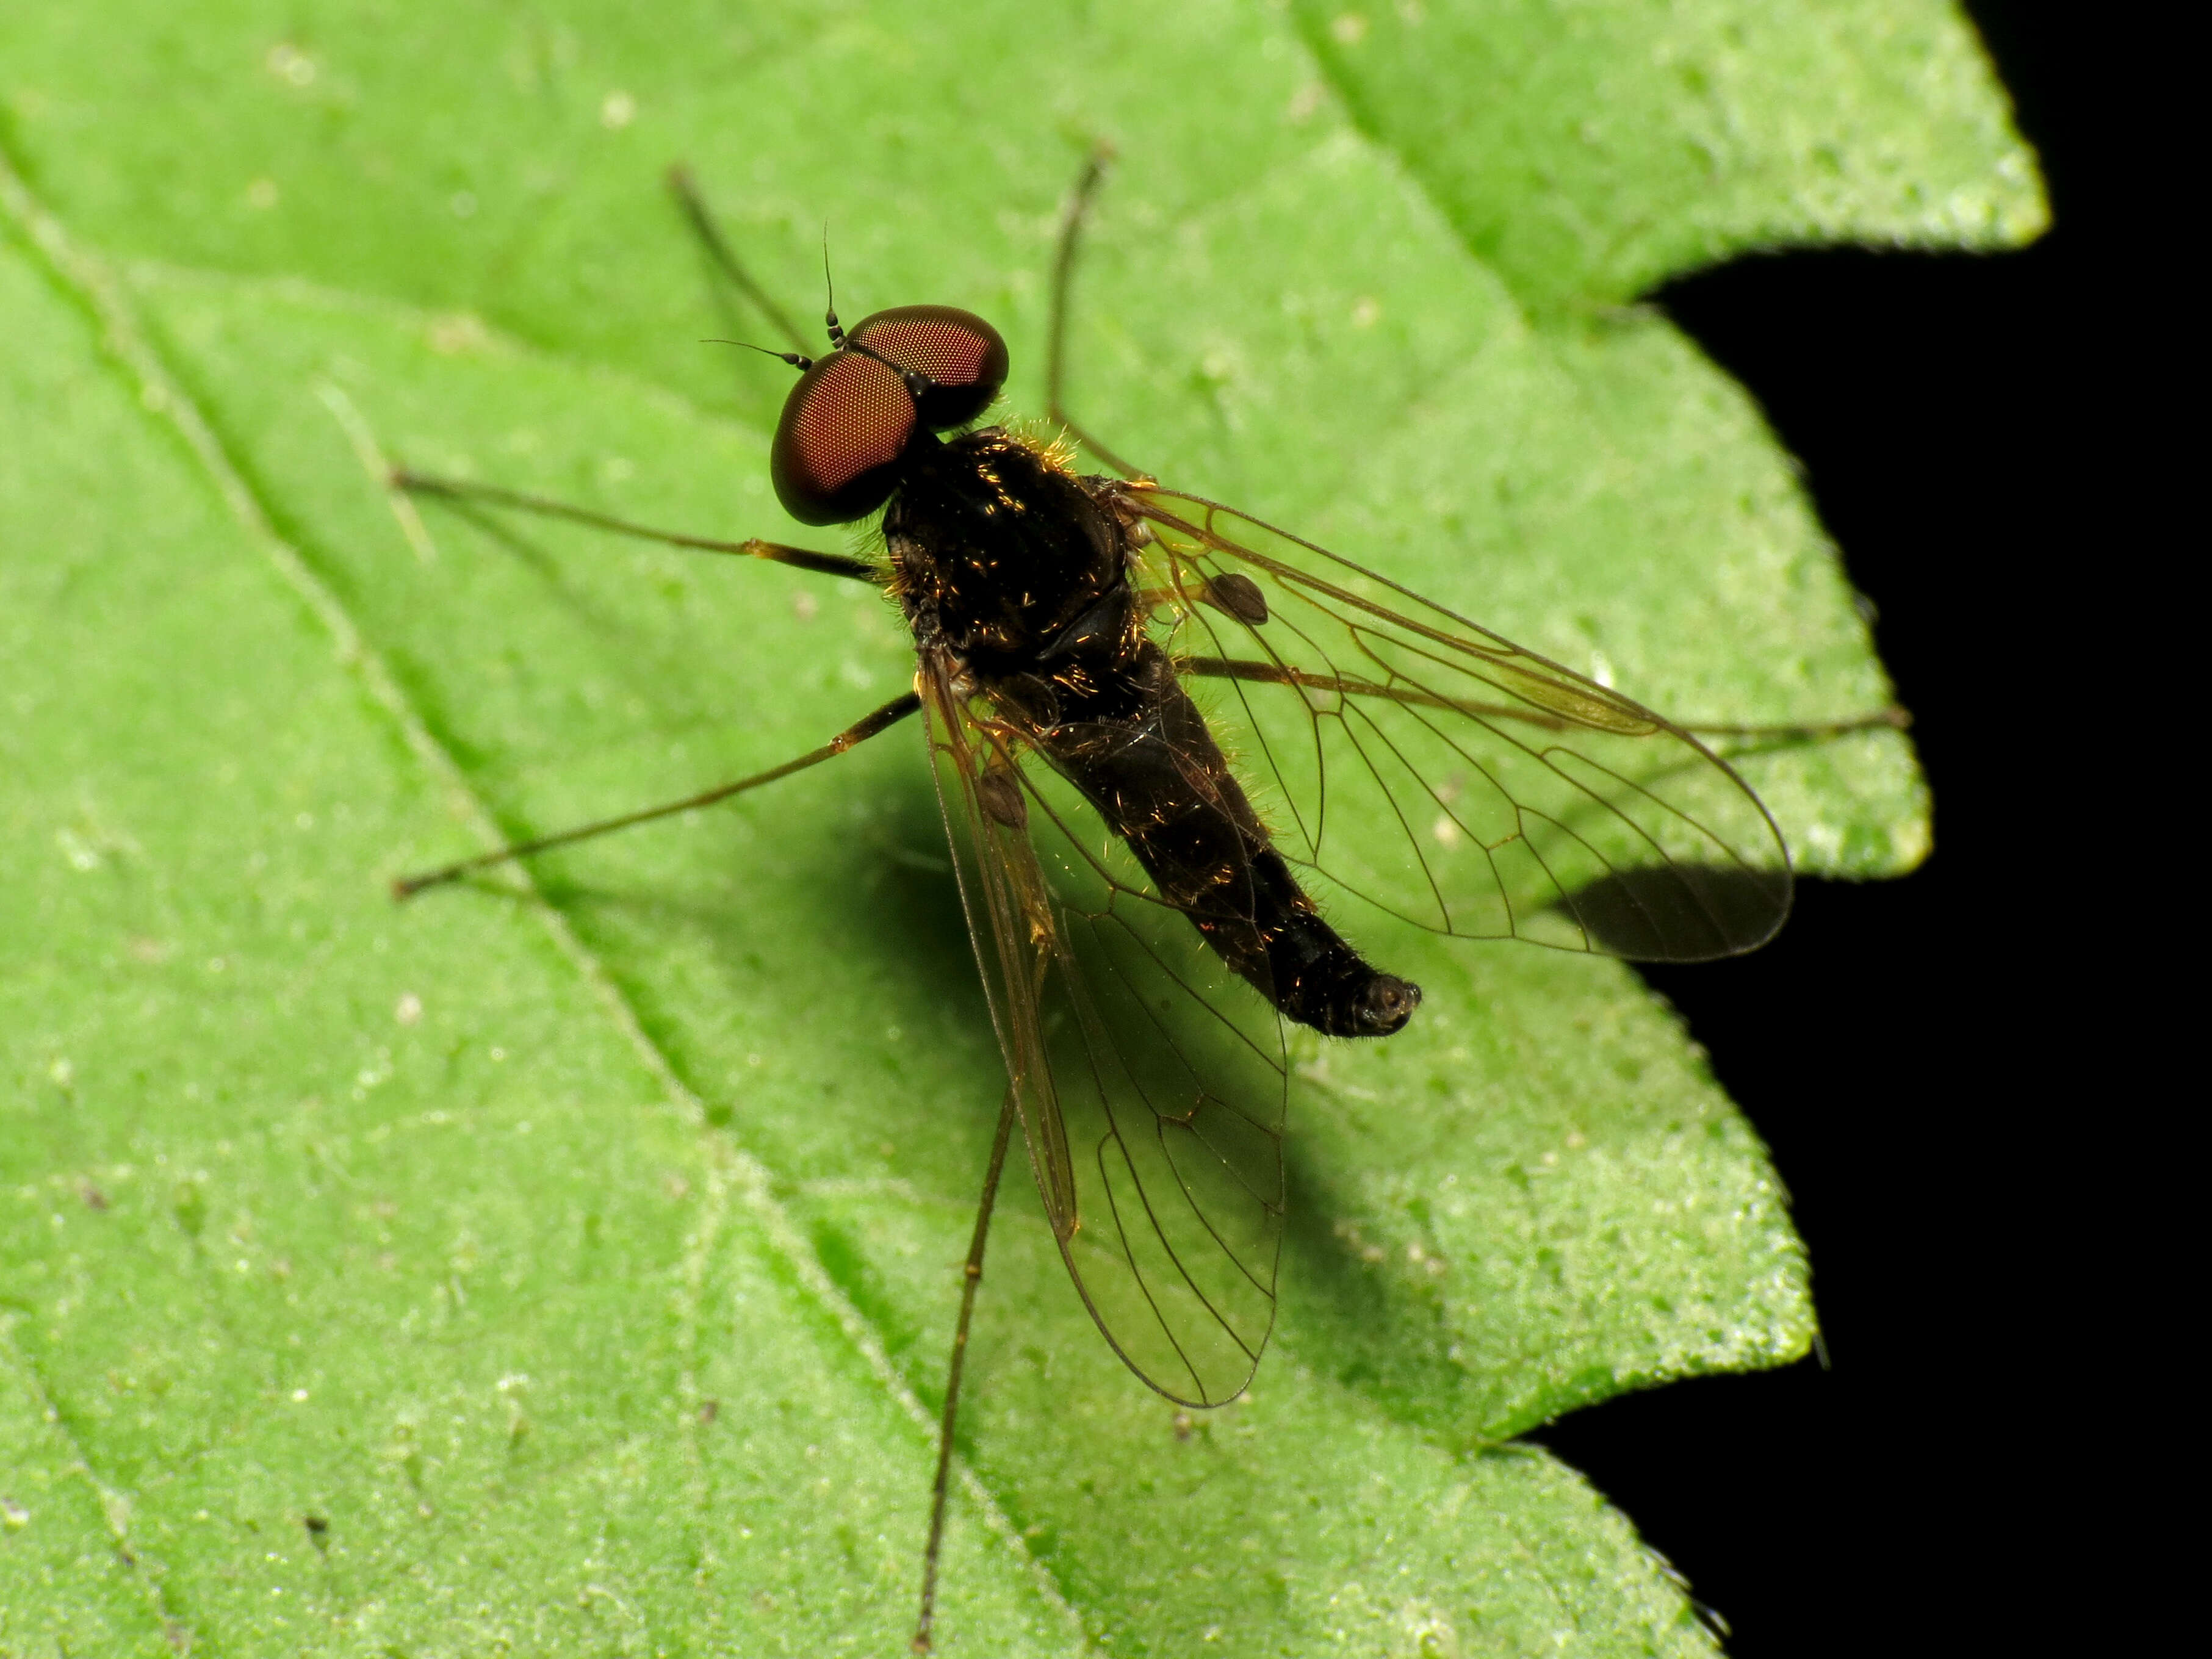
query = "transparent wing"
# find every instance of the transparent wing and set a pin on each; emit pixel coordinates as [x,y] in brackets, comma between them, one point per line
[1444,774]
[1149,1080]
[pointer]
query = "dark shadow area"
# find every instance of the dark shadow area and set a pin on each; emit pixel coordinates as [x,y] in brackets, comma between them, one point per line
[1913,1051]
[888,892]
[1679,912]
[1361,1324]
[637,646]
[884,894]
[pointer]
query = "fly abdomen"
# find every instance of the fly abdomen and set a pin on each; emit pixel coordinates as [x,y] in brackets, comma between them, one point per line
[1319,980]
[1162,783]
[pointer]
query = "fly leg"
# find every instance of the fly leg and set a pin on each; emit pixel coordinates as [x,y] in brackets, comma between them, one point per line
[1063,282]
[462,490]
[1893,718]
[686,188]
[973,1276]
[860,732]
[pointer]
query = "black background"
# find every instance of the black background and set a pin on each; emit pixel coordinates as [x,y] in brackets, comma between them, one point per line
[1901,1045]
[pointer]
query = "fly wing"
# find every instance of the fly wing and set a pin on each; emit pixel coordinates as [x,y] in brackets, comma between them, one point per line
[1150,1083]
[1442,772]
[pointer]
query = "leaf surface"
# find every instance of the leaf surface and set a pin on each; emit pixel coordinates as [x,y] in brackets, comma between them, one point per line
[570,1268]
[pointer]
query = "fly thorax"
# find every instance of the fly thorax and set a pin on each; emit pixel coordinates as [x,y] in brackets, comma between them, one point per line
[1012,549]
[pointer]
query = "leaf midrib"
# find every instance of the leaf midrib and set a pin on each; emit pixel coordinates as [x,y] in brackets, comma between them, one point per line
[91,283]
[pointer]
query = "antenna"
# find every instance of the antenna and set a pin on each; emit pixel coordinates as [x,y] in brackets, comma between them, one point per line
[830,316]
[802,364]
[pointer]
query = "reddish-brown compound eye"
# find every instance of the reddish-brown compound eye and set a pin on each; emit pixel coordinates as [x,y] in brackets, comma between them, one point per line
[962,354]
[837,448]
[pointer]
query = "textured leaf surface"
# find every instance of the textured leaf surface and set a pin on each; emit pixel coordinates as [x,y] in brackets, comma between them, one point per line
[575,1275]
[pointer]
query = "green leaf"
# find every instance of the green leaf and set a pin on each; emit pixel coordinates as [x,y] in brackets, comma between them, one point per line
[571,1269]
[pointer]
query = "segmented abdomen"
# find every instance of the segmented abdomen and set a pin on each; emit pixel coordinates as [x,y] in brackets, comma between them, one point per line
[1163,785]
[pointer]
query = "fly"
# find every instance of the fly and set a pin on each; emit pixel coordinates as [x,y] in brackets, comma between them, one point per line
[1066,626]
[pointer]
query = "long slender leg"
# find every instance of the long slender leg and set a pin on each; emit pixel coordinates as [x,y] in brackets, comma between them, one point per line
[860,732]
[701,218]
[1892,718]
[974,1277]
[460,489]
[1227,668]
[1063,282]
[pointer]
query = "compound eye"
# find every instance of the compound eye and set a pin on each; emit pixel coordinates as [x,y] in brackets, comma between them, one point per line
[962,356]
[837,448]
